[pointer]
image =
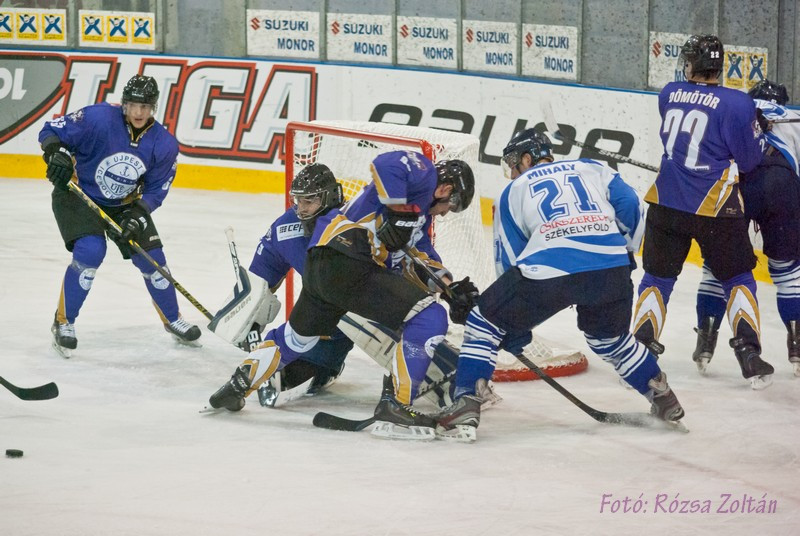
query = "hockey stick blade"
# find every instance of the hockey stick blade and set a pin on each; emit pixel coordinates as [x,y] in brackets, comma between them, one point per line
[43,392]
[639,419]
[553,128]
[332,422]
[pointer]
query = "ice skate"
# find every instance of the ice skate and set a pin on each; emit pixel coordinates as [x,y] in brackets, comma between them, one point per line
[664,403]
[706,343]
[231,395]
[793,344]
[459,422]
[755,369]
[64,340]
[184,332]
[394,420]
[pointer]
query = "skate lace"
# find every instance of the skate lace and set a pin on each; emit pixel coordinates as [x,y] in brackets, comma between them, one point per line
[180,325]
[66,330]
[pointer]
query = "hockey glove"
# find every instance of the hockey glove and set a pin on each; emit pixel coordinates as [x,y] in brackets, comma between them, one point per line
[134,221]
[513,343]
[462,298]
[397,228]
[762,121]
[59,165]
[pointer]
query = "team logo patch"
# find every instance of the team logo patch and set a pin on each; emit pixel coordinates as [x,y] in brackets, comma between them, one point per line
[289,230]
[118,175]
[87,278]
[432,343]
[158,281]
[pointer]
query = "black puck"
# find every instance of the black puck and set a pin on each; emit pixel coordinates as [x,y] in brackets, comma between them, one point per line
[13,453]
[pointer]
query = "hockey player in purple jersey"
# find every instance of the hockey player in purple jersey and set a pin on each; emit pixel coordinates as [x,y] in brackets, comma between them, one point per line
[125,161]
[771,194]
[353,265]
[563,232]
[710,135]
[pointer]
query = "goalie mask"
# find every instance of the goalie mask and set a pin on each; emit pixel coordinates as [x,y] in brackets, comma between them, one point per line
[770,91]
[701,56]
[528,141]
[459,175]
[314,191]
[141,89]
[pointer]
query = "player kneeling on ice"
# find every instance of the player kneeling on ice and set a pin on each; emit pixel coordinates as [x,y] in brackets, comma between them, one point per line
[564,235]
[125,162]
[354,265]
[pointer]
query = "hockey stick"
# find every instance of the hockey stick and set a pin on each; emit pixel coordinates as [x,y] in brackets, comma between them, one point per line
[632,419]
[137,248]
[553,128]
[43,392]
[787,120]
[234,257]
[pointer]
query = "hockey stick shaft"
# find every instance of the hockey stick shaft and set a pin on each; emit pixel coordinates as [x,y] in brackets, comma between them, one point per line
[43,392]
[137,248]
[234,257]
[787,120]
[554,129]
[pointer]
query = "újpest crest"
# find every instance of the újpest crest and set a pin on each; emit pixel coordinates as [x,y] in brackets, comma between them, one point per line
[118,175]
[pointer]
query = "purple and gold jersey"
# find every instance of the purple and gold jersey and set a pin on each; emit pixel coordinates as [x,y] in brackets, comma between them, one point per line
[111,166]
[710,135]
[282,248]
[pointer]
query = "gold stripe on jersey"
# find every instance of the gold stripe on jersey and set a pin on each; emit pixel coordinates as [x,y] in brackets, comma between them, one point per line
[652,194]
[743,307]
[337,226]
[650,308]
[718,195]
[383,195]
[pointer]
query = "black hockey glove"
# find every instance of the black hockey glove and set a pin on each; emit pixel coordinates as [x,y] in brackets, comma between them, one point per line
[762,121]
[513,343]
[133,221]
[397,228]
[59,165]
[462,298]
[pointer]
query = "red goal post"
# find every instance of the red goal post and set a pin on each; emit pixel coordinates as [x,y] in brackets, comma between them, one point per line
[463,242]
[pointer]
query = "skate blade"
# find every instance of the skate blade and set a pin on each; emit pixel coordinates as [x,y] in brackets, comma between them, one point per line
[209,409]
[702,365]
[759,383]
[676,426]
[388,430]
[192,344]
[66,353]
[460,433]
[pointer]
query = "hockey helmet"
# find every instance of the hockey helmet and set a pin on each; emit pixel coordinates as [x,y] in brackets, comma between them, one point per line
[142,89]
[770,91]
[316,181]
[530,141]
[704,54]
[459,174]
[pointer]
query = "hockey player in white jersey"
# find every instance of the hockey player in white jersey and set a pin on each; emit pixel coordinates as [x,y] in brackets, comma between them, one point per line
[564,234]
[771,194]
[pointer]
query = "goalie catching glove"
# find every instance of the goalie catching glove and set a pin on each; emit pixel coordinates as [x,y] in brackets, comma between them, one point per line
[399,225]
[462,298]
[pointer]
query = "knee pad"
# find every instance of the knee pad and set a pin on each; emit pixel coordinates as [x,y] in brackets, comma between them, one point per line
[89,251]
[427,327]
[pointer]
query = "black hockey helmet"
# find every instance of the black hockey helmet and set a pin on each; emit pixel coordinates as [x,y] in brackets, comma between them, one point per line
[530,141]
[459,174]
[317,180]
[770,91]
[704,54]
[142,89]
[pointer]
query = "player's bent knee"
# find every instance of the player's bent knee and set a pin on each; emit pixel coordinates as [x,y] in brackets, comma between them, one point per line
[89,251]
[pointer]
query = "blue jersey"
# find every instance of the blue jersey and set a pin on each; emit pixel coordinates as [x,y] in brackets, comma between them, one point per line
[399,178]
[785,137]
[709,134]
[112,167]
[282,248]
[566,217]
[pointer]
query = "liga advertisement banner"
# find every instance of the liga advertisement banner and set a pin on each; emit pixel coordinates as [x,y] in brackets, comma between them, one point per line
[230,115]
[39,27]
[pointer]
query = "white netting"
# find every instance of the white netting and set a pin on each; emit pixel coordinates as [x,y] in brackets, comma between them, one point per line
[464,243]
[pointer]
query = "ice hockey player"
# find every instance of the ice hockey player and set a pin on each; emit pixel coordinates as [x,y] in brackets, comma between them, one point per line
[353,265]
[563,232]
[771,194]
[710,135]
[125,161]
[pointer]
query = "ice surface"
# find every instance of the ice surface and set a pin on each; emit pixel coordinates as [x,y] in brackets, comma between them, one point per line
[123,450]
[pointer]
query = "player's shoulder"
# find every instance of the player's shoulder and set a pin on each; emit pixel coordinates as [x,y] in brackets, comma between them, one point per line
[290,216]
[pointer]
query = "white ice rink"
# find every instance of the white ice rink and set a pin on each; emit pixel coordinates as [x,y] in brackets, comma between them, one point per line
[123,451]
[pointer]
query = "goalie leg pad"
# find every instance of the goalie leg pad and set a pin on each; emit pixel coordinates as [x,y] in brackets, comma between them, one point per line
[254,303]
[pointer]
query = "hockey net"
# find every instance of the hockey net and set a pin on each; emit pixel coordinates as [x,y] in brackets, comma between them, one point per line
[461,239]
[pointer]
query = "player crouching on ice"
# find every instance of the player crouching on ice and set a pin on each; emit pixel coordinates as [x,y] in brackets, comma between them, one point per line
[351,268]
[564,232]
[125,161]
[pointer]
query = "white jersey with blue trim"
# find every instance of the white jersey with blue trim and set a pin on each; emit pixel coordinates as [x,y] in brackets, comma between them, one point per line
[783,136]
[566,217]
